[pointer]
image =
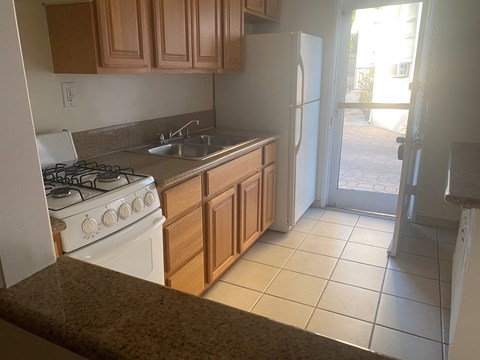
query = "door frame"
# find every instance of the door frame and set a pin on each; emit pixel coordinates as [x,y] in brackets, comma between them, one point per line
[384,203]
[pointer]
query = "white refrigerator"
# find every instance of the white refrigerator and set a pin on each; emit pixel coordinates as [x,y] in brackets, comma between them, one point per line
[279,92]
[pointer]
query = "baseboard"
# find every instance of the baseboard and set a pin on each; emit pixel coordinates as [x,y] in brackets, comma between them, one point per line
[436,222]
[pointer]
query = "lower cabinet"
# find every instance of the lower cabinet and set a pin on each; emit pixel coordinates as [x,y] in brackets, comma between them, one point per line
[268,201]
[221,232]
[213,218]
[250,225]
[190,278]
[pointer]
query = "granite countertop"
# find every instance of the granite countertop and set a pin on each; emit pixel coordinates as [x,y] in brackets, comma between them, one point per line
[102,314]
[463,186]
[57,225]
[167,171]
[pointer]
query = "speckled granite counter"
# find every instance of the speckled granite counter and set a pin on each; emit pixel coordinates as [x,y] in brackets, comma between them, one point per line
[102,314]
[464,175]
[57,225]
[167,171]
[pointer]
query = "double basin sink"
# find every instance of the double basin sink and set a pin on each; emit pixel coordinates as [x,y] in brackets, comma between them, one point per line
[198,147]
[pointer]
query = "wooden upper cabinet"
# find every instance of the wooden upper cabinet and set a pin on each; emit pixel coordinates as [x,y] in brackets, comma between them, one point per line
[122,28]
[103,36]
[207,36]
[255,5]
[272,9]
[233,34]
[172,32]
[262,10]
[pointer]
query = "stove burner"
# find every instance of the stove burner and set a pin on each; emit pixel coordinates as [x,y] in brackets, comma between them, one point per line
[108,176]
[61,192]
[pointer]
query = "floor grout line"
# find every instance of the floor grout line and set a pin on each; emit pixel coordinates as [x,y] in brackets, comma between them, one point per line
[442,334]
[378,307]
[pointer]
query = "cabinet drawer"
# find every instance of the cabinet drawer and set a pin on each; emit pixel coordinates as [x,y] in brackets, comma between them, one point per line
[232,172]
[269,153]
[190,278]
[183,239]
[182,197]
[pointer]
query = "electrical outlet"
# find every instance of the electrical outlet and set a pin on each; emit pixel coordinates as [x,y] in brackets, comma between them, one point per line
[68,93]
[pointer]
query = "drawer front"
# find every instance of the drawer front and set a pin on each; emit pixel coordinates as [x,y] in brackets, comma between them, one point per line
[232,172]
[182,197]
[190,278]
[183,239]
[270,153]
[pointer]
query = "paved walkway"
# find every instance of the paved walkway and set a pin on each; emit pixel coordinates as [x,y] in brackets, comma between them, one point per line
[369,156]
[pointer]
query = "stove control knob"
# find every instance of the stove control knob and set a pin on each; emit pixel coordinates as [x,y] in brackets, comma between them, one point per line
[138,204]
[125,211]
[89,226]
[149,198]
[109,218]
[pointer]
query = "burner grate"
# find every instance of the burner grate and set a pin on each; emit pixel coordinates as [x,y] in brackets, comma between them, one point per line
[87,174]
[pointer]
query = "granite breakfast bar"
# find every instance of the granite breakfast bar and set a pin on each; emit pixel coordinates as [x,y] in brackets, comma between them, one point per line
[102,314]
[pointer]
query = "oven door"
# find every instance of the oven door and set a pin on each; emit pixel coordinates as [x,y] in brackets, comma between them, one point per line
[136,250]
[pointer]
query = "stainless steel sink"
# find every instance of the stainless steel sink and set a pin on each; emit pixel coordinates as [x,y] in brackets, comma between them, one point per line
[216,139]
[198,147]
[190,151]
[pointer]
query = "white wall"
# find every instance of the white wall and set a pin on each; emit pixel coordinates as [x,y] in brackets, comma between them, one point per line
[102,99]
[26,244]
[454,105]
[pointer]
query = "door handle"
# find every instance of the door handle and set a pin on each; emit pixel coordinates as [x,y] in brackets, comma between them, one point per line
[400,140]
[297,144]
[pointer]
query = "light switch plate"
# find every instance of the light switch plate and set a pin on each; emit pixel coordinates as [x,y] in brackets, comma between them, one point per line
[68,93]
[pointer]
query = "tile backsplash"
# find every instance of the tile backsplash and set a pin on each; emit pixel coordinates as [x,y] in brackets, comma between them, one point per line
[109,139]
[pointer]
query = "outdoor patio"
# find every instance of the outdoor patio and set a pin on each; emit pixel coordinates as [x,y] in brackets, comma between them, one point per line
[369,156]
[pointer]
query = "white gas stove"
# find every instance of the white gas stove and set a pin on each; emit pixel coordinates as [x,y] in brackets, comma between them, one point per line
[112,214]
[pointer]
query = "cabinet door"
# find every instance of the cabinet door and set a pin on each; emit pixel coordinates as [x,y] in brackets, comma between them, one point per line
[272,9]
[268,204]
[233,35]
[207,37]
[172,34]
[122,31]
[250,224]
[256,5]
[221,233]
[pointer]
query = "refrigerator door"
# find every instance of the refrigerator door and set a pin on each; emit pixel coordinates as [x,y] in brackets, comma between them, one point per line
[306,142]
[310,60]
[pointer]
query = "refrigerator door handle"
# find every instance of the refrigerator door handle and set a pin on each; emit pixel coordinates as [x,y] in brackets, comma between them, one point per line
[302,78]
[300,129]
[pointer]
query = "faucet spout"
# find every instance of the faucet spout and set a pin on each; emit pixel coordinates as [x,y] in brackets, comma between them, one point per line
[196,122]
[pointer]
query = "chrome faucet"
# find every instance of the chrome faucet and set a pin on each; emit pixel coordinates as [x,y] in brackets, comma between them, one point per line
[179,131]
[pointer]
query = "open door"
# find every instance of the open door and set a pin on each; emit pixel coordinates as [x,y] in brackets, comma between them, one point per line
[411,145]
[377,54]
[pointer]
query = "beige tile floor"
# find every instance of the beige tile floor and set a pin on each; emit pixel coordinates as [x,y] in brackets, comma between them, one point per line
[331,275]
